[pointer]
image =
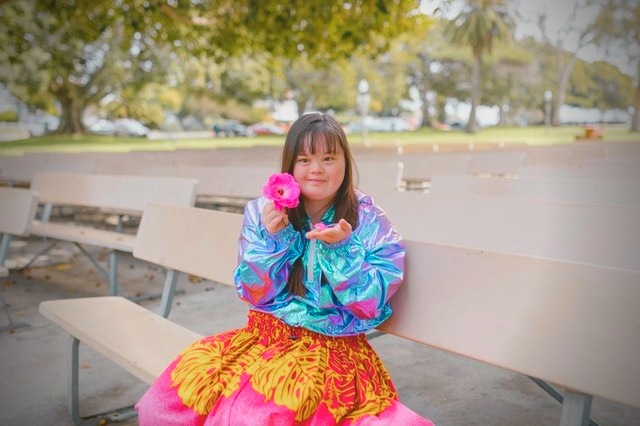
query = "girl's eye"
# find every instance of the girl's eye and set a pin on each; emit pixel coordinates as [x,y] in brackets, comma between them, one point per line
[303,160]
[328,158]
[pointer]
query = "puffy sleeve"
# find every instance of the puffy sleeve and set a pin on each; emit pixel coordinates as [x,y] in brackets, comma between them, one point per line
[264,260]
[365,269]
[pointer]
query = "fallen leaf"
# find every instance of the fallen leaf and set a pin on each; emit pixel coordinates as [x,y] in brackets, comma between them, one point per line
[63,267]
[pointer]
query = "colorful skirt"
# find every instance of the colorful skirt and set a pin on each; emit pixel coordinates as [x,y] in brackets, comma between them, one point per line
[269,373]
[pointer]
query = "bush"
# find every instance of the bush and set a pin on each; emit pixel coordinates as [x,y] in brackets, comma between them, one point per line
[11,116]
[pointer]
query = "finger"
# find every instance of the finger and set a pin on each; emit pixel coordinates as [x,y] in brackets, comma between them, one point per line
[312,234]
[274,222]
[345,225]
[268,218]
[286,220]
[269,207]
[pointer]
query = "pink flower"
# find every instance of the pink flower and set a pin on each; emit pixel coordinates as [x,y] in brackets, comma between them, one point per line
[283,190]
[321,226]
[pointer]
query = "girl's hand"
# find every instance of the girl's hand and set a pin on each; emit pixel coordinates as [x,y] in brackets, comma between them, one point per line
[331,235]
[272,219]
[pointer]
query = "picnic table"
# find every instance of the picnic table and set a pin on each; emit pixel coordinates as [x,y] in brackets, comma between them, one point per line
[591,132]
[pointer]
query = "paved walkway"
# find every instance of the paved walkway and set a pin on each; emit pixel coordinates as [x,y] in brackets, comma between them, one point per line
[449,389]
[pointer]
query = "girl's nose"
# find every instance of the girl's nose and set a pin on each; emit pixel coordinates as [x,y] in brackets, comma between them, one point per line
[316,167]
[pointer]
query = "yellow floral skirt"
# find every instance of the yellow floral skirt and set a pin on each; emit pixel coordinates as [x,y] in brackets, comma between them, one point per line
[269,373]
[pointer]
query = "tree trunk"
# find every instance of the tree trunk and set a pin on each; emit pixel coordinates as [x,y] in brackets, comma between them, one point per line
[503,114]
[72,110]
[426,118]
[441,101]
[635,118]
[302,104]
[475,92]
[564,72]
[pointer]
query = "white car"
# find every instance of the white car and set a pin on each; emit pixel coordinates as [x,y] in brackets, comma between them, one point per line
[102,127]
[392,124]
[380,124]
[129,127]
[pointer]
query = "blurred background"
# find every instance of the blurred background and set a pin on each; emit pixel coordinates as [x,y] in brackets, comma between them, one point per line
[201,69]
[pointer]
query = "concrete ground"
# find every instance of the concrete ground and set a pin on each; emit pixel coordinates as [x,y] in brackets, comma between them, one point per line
[449,389]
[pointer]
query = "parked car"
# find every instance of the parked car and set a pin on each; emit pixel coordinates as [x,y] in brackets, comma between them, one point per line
[380,124]
[231,128]
[392,124]
[102,127]
[266,129]
[129,127]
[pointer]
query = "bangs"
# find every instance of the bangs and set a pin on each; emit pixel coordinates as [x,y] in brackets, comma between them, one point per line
[321,139]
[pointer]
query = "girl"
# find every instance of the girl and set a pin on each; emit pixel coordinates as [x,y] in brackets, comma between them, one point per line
[303,357]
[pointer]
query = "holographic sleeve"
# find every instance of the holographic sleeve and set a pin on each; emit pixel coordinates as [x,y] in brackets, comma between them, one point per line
[264,260]
[365,269]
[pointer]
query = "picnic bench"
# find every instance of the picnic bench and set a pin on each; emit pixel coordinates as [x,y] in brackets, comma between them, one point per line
[563,190]
[118,194]
[599,234]
[420,168]
[191,240]
[593,172]
[529,314]
[591,132]
[234,186]
[17,210]
[219,185]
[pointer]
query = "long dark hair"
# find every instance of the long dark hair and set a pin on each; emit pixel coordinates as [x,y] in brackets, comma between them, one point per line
[304,137]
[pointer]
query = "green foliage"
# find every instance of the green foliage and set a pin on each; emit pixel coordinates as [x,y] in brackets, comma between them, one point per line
[507,78]
[245,78]
[146,104]
[9,116]
[599,85]
[617,29]
[76,52]
[209,111]
[480,24]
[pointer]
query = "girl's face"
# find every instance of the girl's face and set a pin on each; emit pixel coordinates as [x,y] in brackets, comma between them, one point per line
[319,175]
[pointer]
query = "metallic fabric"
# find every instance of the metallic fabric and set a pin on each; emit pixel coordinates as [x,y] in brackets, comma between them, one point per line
[361,272]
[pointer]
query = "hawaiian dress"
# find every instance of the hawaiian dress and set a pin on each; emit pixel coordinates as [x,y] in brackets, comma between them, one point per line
[299,360]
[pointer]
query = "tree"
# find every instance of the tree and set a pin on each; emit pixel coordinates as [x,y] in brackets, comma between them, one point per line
[75,52]
[599,85]
[507,81]
[433,65]
[479,25]
[617,29]
[578,26]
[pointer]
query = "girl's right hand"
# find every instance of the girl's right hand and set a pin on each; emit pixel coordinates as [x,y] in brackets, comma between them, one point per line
[272,219]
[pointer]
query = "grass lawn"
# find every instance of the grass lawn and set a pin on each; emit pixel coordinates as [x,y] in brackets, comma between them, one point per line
[528,135]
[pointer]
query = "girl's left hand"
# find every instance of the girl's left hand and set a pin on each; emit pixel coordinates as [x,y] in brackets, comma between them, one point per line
[331,235]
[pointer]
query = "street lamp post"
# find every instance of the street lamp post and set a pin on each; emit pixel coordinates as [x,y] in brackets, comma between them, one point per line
[547,109]
[364,99]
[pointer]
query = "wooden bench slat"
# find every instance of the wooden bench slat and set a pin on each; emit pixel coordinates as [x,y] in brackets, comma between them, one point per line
[236,181]
[563,190]
[17,210]
[572,324]
[600,234]
[84,235]
[213,257]
[138,340]
[116,192]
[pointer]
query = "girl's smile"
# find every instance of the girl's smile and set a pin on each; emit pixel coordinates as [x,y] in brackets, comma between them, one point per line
[319,175]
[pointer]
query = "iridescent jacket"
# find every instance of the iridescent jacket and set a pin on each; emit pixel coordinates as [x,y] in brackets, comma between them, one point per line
[362,271]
